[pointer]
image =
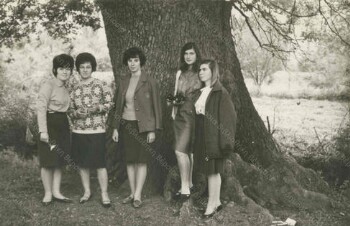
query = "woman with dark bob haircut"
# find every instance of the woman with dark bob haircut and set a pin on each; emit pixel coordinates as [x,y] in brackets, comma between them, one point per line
[91,99]
[137,116]
[54,141]
[183,114]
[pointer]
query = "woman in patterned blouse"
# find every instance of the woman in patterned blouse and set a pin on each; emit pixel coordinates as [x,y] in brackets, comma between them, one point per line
[91,99]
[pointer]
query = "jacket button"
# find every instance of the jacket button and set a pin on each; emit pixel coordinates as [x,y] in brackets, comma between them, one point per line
[136,109]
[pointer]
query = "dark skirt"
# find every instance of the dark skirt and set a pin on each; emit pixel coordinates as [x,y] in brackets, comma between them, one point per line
[201,164]
[89,150]
[56,153]
[133,143]
[183,130]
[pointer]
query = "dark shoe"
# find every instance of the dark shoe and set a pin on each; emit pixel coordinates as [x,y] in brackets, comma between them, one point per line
[178,193]
[106,203]
[217,209]
[85,199]
[192,189]
[184,197]
[64,200]
[208,216]
[137,203]
[128,199]
[46,203]
[220,207]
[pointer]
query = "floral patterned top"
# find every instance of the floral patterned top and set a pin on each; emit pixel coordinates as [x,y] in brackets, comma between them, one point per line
[91,93]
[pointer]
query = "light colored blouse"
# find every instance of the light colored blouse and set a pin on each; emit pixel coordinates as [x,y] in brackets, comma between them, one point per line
[200,103]
[53,97]
[129,107]
[90,93]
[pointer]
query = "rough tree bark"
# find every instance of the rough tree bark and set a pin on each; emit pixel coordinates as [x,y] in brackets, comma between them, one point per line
[258,172]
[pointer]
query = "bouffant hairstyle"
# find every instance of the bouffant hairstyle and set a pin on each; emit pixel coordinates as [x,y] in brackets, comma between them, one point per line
[85,58]
[62,60]
[134,52]
[183,65]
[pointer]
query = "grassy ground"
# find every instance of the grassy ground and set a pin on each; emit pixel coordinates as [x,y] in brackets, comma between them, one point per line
[21,192]
[300,123]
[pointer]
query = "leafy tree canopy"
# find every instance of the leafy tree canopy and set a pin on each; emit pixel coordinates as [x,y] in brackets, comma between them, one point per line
[276,25]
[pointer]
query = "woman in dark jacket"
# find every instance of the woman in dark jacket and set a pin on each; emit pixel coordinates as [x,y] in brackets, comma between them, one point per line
[137,117]
[215,127]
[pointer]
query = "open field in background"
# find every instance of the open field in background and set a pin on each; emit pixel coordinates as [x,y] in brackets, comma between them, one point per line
[309,85]
[300,122]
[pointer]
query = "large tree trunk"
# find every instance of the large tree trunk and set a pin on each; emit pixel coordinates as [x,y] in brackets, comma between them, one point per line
[258,170]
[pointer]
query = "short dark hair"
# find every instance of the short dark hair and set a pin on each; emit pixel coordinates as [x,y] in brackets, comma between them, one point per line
[134,52]
[183,64]
[85,58]
[62,60]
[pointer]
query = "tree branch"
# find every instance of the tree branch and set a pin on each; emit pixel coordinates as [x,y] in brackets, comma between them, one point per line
[333,29]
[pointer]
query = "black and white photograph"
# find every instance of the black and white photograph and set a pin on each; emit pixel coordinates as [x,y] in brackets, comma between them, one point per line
[175,112]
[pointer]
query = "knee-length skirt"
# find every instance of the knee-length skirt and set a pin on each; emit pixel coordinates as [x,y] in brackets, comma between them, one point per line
[57,151]
[184,130]
[89,150]
[201,164]
[134,144]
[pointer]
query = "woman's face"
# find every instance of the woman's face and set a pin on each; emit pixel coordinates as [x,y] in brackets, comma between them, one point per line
[63,73]
[134,64]
[205,74]
[85,70]
[190,56]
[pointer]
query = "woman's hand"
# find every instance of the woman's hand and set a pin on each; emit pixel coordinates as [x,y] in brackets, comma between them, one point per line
[44,137]
[81,113]
[93,109]
[151,136]
[115,135]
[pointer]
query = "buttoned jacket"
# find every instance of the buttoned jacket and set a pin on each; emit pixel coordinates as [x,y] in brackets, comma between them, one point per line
[219,122]
[146,102]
